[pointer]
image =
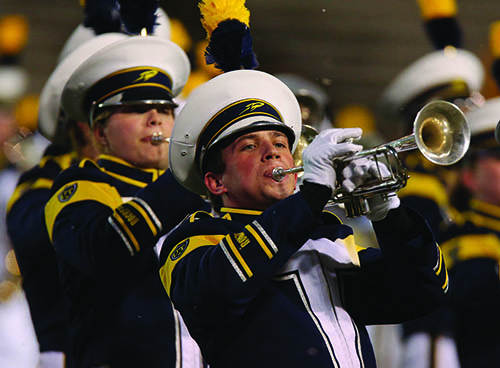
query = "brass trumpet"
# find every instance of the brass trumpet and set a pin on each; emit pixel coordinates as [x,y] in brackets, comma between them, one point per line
[440,132]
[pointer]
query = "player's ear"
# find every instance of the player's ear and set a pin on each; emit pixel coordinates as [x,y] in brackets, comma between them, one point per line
[214,183]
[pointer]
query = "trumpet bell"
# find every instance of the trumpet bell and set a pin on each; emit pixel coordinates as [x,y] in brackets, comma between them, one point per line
[442,133]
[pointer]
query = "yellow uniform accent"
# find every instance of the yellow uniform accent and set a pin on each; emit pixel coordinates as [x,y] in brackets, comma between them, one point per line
[41,183]
[239,257]
[438,271]
[146,217]
[154,172]
[129,233]
[431,9]
[352,249]
[64,161]
[192,244]
[240,211]
[85,191]
[482,221]
[471,246]
[260,241]
[425,186]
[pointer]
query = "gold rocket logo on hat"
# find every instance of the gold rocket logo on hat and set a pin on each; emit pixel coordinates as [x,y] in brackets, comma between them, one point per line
[252,106]
[148,74]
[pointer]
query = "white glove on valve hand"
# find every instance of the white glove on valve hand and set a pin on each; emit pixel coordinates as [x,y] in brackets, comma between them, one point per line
[319,155]
[357,172]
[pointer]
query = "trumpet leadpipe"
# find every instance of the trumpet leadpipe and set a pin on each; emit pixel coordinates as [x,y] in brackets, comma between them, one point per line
[279,173]
[158,138]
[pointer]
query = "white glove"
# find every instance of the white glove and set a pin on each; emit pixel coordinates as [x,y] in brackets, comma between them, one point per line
[357,172]
[380,205]
[318,157]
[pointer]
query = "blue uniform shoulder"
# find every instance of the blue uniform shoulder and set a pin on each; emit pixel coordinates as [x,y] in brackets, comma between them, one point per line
[198,223]
[85,170]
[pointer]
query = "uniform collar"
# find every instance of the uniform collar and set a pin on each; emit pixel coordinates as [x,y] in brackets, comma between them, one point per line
[238,214]
[120,168]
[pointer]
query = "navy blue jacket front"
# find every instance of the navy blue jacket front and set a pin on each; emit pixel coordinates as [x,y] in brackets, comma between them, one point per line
[286,288]
[104,220]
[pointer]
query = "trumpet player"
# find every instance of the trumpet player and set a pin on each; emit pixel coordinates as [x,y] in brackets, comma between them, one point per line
[104,217]
[272,280]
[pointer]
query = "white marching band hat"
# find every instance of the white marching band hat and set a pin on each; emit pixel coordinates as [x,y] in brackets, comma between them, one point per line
[82,43]
[50,97]
[135,70]
[483,122]
[232,103]
[434,69]
[82,34]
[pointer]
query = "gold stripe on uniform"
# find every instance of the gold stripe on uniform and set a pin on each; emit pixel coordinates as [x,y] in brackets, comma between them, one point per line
[182,249]
[145,216]
[124,226]
[239,257]
[262,244]
[83,191]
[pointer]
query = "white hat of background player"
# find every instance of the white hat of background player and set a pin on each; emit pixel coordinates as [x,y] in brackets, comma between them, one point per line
[50,97]
[432,75]
[229,105]
[482,123]
[82,34]
[433,70]
[135,70]
[308,93]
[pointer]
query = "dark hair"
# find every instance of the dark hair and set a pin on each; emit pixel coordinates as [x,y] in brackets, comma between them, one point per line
[213,161]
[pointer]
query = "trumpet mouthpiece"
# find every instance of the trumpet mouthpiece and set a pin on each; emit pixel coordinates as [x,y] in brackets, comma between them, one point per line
[278,174]
[158,138]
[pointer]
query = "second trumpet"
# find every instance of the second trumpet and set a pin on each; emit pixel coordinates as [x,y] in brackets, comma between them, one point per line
[440,132]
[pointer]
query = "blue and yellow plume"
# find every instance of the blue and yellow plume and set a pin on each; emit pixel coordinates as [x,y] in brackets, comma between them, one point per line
[230,43]
[440,21]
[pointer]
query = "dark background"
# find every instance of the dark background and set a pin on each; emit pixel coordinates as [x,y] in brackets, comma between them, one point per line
[352,47]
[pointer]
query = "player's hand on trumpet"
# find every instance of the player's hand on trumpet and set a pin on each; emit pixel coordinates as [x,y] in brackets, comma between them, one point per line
[319,157]
[360,171]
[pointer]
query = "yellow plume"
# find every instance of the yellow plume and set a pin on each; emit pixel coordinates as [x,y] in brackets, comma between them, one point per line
[180,35]
[14,31]
[495,39]
[431,9]
[215,11]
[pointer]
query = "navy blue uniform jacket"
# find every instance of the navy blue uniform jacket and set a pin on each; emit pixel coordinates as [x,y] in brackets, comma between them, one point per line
[104,220]
[288,288]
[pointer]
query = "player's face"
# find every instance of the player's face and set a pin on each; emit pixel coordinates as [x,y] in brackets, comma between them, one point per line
[128,131]
[247,180]
[487,179]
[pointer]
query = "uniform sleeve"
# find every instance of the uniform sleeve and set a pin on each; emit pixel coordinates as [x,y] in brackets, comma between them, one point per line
[25,209]
[218,266]
[28,213]
[404,279]
[96,232]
